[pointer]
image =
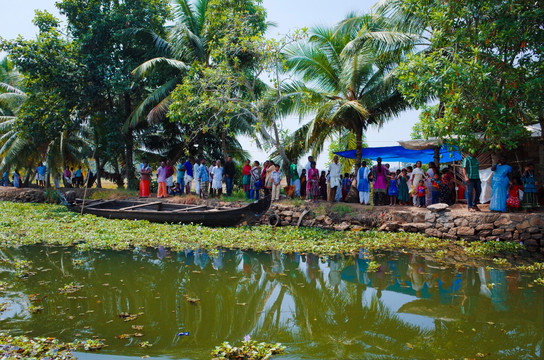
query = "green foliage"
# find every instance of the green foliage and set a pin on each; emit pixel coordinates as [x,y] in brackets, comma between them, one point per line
[484,65]
[345,81]
[250,349]
[478,248]
[61,227]
[22,347]
[340,210]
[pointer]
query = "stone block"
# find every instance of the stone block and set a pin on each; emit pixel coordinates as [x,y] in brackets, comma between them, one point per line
[537,236]
[434,233]
[438,207]
[465,231]
[320,218]
[497,232]
[486,226]
[484,232]
[342,227]
[461,222]
[523,225]
[506,236]
[536,220]
[288,218]
[430,217]
[524,236]
[284,223]
[503,221]
[287,213]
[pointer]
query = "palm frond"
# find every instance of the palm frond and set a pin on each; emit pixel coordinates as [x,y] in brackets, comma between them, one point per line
[143,110]
[151,65]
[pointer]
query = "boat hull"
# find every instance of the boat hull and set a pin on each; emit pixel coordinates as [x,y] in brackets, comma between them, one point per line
[177,214]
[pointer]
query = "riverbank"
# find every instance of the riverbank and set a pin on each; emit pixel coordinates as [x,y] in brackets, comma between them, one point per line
[438,221]
[29,224]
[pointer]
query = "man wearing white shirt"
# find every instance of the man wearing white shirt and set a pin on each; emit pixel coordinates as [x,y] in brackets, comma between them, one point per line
[335,171]
[196,172]
[309,164]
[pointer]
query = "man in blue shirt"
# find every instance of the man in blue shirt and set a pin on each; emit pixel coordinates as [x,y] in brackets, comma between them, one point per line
[204,179]
[188,165]
[41,170]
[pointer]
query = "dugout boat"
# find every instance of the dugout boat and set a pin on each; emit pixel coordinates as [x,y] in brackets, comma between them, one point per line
[164,212]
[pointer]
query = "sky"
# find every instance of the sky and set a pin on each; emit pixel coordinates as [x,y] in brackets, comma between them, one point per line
[288,15]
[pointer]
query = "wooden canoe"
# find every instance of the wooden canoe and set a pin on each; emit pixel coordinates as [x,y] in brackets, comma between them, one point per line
[164,212]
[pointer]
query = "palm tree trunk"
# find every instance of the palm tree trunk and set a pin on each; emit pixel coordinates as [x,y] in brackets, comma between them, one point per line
[129,160]
[358,147]
[27,177]
[129,151]
[437,156]
[98,172]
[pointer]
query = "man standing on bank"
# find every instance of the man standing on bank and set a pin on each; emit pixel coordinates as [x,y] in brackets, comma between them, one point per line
[471,173]
[335,171]
[230,170]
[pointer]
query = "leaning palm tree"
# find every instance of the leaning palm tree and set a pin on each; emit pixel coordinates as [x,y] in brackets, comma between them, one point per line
[345,90]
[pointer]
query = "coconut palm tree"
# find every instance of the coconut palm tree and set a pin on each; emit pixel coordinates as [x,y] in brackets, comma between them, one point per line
[186,43]
[344,89]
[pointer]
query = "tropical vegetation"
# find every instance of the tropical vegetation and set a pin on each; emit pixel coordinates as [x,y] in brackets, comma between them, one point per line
[150,78]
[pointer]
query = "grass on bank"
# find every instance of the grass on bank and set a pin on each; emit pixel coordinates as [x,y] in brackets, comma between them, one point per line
[26,224]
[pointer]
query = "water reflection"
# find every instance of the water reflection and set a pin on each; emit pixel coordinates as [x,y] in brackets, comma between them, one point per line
[319,307]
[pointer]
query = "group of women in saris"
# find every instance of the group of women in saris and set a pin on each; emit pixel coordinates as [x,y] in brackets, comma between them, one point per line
[506,190]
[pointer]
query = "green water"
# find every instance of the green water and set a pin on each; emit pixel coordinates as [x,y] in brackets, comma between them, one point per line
[320,308]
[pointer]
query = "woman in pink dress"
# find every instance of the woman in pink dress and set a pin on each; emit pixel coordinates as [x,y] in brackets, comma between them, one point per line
[380,175]
[311,171]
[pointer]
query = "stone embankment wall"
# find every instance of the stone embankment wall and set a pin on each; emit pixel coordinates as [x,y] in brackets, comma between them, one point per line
[438,222]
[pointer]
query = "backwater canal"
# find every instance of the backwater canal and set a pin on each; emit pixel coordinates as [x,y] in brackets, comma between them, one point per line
[319,308]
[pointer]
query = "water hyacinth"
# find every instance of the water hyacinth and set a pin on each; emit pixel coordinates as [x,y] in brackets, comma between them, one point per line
[27,224]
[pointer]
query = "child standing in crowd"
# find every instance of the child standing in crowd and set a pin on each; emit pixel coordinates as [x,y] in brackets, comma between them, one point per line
[315,192]
[513,194]
[403,196]
[256,181]
[276,180]
[346,185]
[421,193]
[246,179]
[393,190]
[323,185]
[177,189]
[435,188]
[529,200]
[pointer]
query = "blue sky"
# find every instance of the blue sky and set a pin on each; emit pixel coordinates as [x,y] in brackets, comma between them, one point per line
[16,19]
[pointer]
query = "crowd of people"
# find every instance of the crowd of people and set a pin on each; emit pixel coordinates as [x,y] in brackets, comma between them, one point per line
[71,178]
[411,185]
[178,180]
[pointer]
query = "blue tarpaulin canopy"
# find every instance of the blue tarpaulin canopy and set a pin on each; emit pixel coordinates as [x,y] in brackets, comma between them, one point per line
[400,154]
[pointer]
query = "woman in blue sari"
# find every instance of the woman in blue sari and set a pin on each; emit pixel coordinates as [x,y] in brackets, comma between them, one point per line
[499,186]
